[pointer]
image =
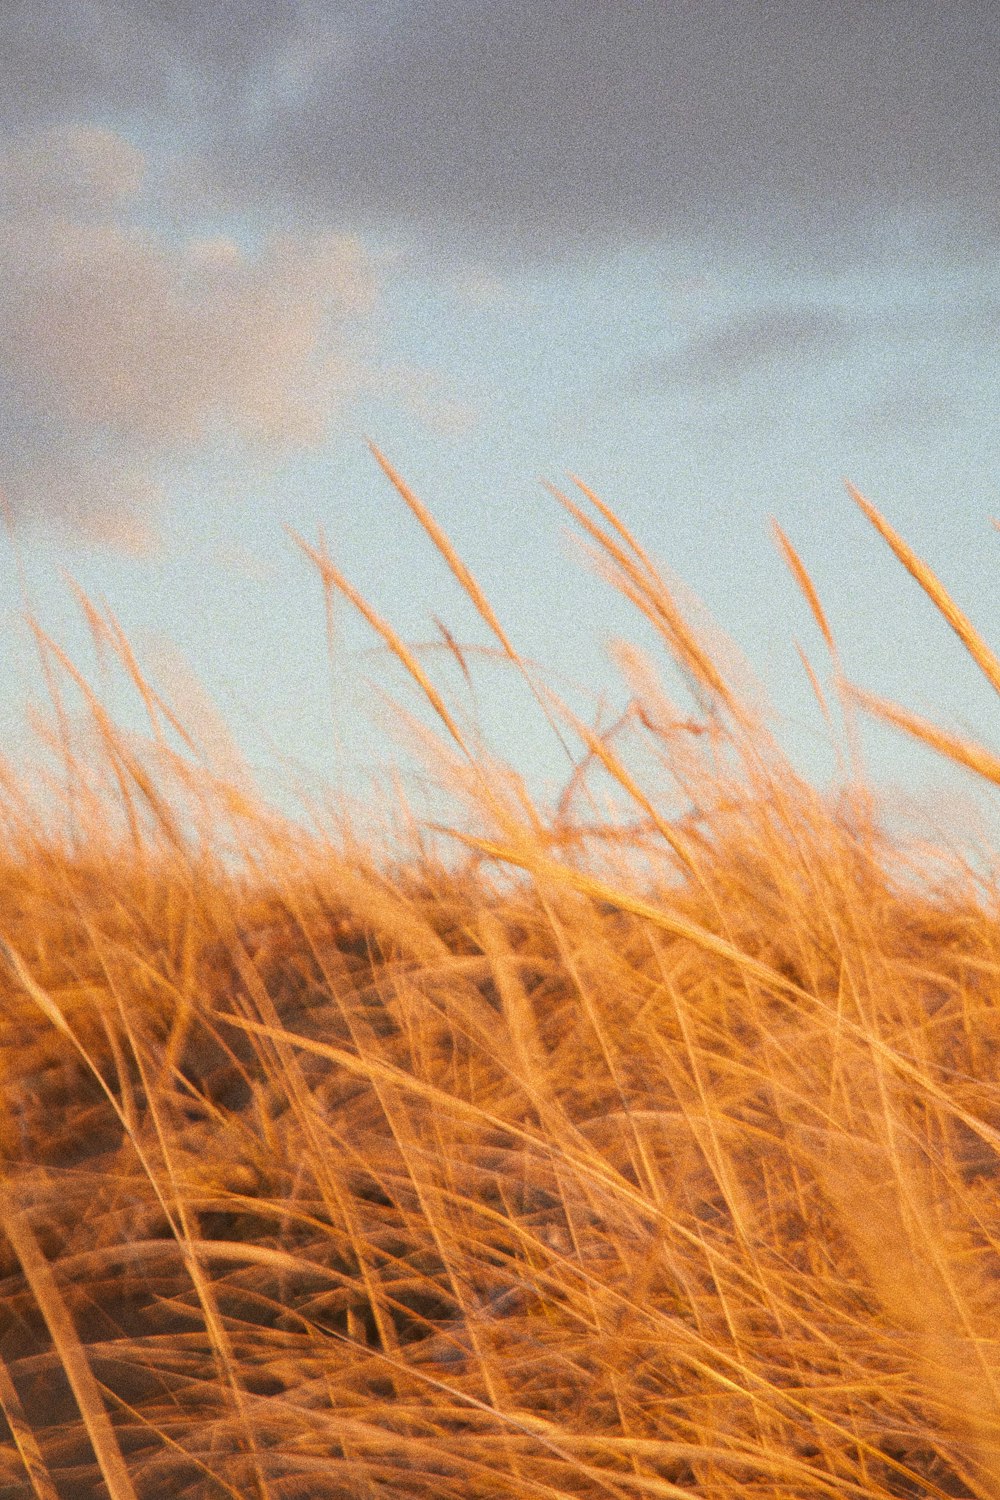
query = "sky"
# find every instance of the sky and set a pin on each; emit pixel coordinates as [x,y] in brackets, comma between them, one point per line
[712,258]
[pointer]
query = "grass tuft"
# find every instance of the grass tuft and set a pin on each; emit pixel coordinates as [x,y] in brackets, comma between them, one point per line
[644,1145]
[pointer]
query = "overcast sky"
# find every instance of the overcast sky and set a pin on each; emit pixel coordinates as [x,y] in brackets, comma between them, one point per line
[710,257]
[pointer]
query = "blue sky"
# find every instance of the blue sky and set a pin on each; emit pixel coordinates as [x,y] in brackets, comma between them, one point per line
[711,258]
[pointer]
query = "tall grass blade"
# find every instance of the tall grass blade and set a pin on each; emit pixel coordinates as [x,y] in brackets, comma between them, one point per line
[985,659]
[67,1344]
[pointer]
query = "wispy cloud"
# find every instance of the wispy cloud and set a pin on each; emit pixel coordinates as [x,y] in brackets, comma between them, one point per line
[119,348]
[914,408]
[748,343]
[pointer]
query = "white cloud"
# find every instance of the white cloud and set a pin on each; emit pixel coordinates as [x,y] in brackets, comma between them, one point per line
[69,171]
[120,348]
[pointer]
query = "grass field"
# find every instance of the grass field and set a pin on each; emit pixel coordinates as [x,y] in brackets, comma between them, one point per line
[643,1145]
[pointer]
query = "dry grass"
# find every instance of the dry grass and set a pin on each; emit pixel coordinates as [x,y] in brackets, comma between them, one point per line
[667,1168]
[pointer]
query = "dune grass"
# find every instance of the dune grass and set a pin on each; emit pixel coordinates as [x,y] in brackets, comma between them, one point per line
[645,1145]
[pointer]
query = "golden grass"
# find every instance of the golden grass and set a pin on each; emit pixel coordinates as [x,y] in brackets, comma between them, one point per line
[645,1146]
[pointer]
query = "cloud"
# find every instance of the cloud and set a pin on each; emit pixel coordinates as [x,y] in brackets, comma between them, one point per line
[425,395]
[526,130]
[76,171]
[160,59]
[531,130]
[101,500]
[120,349]
[751,343]
[915,410]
